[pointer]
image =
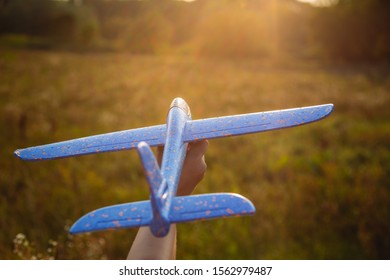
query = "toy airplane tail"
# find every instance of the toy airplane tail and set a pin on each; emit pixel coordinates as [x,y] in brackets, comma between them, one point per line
[158,187]
[155,212]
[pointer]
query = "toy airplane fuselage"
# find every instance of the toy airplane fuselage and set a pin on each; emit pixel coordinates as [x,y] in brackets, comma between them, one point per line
[164,207]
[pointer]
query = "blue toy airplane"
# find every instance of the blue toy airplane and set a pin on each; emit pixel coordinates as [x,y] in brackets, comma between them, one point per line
[164,207]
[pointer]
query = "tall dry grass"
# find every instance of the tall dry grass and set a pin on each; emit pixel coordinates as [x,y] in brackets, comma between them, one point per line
[321,191]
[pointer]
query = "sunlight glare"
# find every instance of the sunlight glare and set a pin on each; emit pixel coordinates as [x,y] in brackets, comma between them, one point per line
[320,3]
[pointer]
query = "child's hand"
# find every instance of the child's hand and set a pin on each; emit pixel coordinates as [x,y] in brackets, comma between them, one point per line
[194,166]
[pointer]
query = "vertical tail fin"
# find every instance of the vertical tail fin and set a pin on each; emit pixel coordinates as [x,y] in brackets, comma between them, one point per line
[157,184]
[151,168]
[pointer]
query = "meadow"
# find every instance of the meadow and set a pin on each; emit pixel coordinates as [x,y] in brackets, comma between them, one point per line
[322,191]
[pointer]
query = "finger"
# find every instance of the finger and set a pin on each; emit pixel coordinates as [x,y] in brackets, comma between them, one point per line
[198,147]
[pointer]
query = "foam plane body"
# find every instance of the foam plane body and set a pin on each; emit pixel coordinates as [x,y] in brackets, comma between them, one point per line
[164,207]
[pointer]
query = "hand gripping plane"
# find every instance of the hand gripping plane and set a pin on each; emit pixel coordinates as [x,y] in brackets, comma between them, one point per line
[164,207]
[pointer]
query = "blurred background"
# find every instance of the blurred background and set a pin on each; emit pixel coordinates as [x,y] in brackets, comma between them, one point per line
[80,67]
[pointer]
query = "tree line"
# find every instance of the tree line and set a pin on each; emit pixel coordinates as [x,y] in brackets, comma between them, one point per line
[350,30]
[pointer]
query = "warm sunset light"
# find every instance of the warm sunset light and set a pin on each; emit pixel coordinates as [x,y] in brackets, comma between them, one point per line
[75,68]
[320,3]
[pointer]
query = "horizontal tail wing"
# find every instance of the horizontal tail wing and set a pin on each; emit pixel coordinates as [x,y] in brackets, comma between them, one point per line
[184,209]
[118,216]
[252,123]
[209,206]
[121,140]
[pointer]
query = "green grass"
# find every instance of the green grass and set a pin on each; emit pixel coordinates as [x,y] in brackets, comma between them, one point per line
[321,190]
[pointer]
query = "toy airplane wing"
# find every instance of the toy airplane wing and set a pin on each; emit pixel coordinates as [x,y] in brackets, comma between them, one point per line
[194,130]
[184,209]
[115,141]
[255,122]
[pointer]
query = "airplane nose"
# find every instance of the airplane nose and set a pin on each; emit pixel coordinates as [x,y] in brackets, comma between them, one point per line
[182,104]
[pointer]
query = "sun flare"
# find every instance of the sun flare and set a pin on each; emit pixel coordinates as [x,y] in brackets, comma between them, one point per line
[320,3]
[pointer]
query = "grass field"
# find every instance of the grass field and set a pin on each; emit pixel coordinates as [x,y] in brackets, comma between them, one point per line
[322,191]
